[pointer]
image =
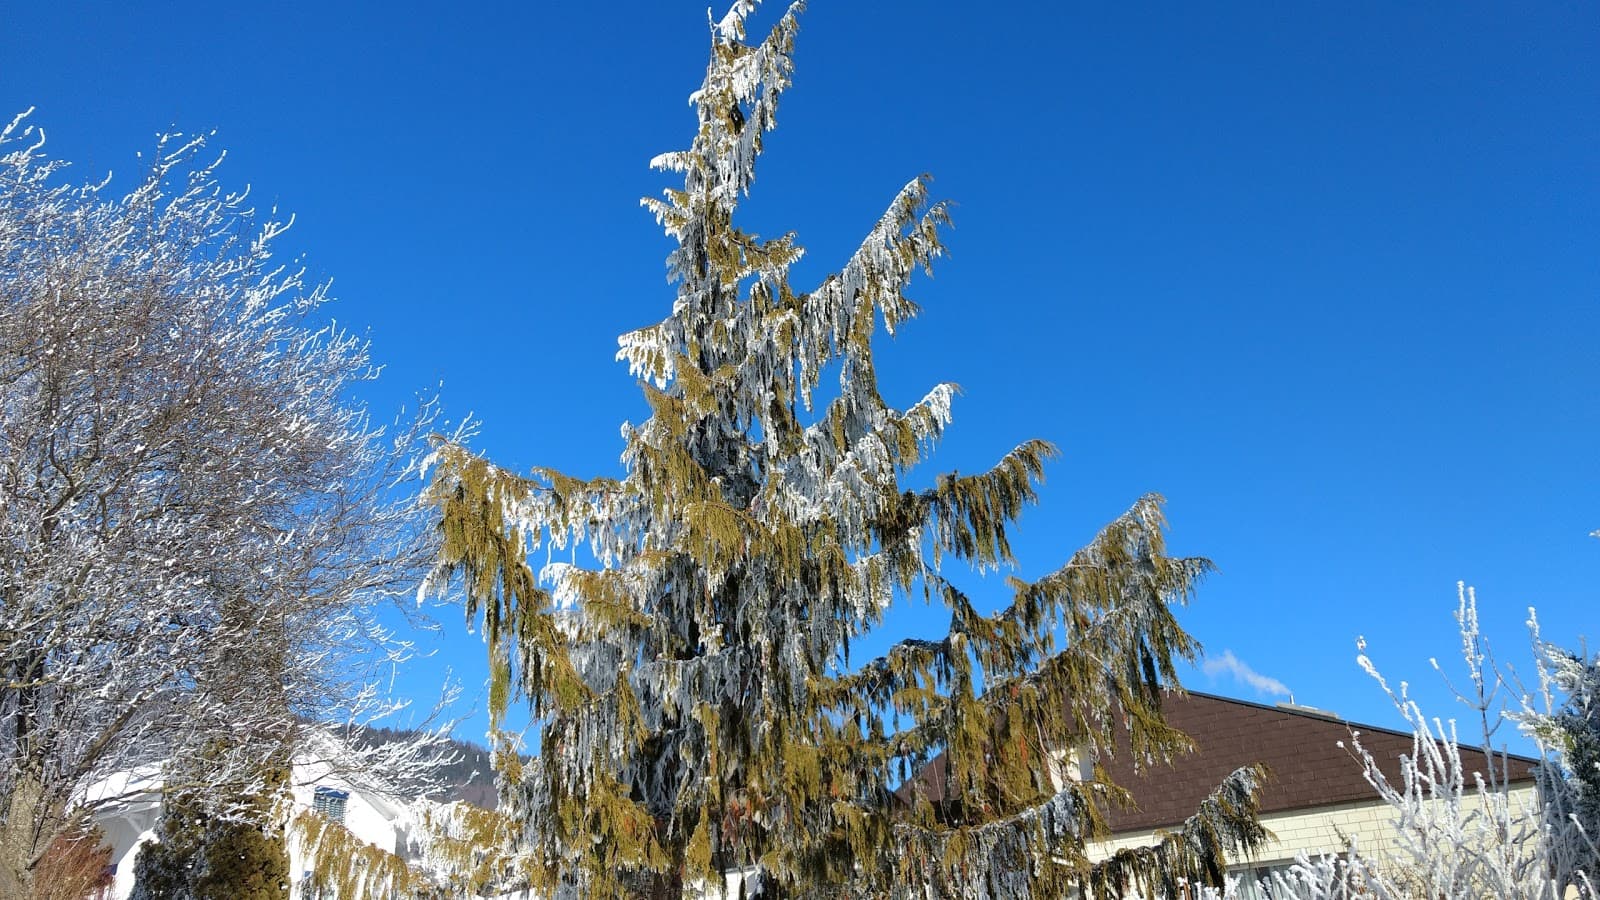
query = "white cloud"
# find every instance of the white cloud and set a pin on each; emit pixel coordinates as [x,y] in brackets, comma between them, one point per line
[1229,664]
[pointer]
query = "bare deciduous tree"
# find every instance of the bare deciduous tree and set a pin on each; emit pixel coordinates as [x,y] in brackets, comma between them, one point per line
[198,520]
[1463,831]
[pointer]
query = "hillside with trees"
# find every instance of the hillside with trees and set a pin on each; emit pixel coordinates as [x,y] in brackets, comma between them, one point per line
[465,774]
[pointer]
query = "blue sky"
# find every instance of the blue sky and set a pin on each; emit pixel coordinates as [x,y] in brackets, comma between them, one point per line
[1325,275]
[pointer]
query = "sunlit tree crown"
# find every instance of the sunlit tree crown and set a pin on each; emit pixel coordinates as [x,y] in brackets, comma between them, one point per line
[698,709]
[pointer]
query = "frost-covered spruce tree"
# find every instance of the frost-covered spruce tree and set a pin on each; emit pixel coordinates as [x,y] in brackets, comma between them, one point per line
[697,707]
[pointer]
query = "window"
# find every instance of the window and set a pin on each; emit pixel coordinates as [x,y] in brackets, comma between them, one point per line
[1255,882]
[330,803]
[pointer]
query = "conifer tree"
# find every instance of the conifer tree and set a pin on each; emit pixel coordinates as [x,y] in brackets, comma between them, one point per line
[201,855]
[1569,777]
[697,706]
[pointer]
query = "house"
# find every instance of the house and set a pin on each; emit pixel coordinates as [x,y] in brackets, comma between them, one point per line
[1315,800]
[128,808]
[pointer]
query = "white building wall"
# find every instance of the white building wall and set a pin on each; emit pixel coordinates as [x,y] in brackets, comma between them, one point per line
[362,817]
[132,824]
[125,837]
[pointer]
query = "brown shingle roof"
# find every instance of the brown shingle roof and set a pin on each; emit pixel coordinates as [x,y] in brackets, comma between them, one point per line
[1299,747]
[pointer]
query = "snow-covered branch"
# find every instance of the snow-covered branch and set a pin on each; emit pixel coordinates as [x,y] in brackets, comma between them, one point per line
[198,518]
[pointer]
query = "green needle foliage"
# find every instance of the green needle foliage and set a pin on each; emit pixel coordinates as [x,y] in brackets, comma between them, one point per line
[199,855]
[697,709]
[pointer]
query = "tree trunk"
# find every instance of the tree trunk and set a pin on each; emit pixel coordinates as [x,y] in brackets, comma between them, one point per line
[20,820]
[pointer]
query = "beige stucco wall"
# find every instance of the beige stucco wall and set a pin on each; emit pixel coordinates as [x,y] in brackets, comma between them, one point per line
[1322,829]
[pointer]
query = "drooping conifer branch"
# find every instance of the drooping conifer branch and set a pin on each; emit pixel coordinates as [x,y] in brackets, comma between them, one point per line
[698,708]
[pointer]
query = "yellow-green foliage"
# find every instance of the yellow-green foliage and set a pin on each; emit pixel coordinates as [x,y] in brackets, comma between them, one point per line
[464,851]
[245,862]
[471,850]
[696,702]
[344,866]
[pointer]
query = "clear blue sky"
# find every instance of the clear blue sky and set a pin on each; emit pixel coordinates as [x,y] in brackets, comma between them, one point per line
[1323,274]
